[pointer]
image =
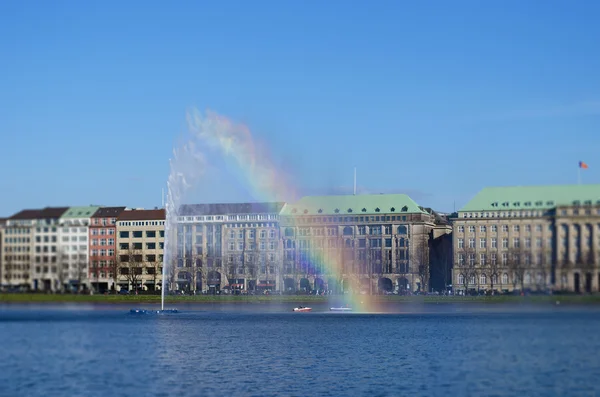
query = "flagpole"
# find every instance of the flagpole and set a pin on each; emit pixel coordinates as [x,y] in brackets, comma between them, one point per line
[579,175]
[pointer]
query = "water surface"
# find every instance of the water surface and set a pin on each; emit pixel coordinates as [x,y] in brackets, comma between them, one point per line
[266,350]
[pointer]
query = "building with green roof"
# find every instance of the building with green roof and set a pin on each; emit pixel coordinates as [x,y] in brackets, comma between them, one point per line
[73,248]
[361,243]
[80,212]
[367,204]
[519,198]
[529,238]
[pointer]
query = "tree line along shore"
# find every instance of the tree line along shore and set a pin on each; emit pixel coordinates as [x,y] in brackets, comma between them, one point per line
[108,299]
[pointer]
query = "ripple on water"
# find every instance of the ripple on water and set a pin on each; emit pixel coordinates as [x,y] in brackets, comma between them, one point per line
[252,354]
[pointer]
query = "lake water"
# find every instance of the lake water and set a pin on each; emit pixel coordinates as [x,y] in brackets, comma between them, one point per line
[266,350]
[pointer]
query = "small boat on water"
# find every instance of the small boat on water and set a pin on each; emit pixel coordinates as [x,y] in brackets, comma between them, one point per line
[340,309]
[302,309]
[138,311]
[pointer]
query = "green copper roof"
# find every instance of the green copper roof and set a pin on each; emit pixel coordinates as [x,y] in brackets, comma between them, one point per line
[532,197]
[79,212]
[367,204]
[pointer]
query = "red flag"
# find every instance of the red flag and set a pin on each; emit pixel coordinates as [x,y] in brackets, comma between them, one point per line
[583,165]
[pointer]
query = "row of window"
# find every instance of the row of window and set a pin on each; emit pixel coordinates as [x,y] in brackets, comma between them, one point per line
[251,234]
[483,279]
[66,239]
[140,234]
[483,243]
[251,246]
[13,230]
[45,230]
[504,228]
[244,225]
[350,210]
[139,246]
[524,258]
[347,230]
[103,221]
[102,264]
[10,258]
[74,248]
[46,239]
[142,223]
[348,243]
[103,232]
[352,219]
[17,240]
[249,258]
[252,217]
[66,230]
[102,252]
[138,271]
[103,242]
[18,248]
[538,213]
[45,249]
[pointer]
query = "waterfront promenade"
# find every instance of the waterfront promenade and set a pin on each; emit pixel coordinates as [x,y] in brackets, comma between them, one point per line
[200,299]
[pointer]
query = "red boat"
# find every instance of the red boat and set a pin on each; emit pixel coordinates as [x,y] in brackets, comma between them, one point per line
[302,309]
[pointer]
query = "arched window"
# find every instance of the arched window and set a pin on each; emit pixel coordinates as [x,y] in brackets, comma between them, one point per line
[472,279]
[348,231]
[402,229]
[494,279]
[505,278]
[461,279]
[289,232]
[482,279]
[527,278]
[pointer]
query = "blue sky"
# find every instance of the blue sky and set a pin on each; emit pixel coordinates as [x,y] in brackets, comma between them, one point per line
[437,99]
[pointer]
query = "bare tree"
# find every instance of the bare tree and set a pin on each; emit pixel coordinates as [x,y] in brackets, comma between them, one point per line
[468,268]
[197,269]
[80,271]
[113,272]
[494,269]
[62,272]
[231,270]
[153,269]
[542,267]
[131,266]
[8,269]
[517,267]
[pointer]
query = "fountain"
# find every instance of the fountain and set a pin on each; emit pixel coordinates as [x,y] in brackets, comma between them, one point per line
[231,144]
[186,166]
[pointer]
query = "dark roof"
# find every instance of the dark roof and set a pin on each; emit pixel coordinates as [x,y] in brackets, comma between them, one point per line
[52,212]
[26,214]
[230,208]
[439,219]
[3,221]
[108,212]
[141,215]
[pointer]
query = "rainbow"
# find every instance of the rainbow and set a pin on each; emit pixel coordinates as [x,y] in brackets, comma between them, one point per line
[267,182]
